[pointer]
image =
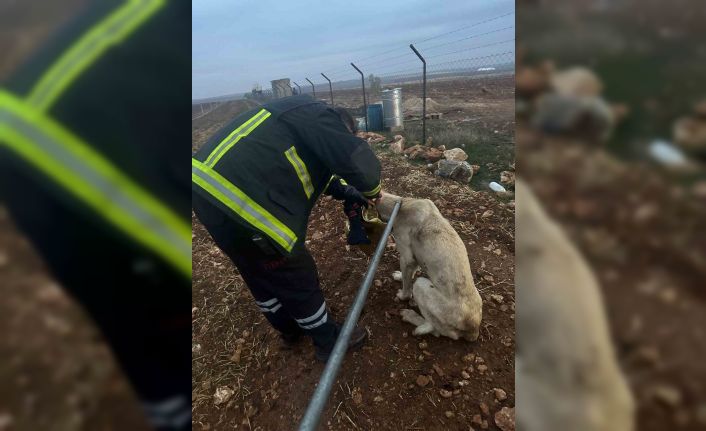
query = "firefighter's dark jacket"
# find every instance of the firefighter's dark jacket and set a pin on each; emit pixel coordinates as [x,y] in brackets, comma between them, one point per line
[267,173]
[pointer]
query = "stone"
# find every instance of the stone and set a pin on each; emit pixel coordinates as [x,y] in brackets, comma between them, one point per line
[484,409]
[378,399]
[497,298]
[505,419]
[577,82]
[422,380]
[438,370]
[455,154]
[449,414]
[482,368]
[507,177]
[445,393]
[455,170]
[666,394]
[398,145]
[465,374]
[222,395]
[500,394]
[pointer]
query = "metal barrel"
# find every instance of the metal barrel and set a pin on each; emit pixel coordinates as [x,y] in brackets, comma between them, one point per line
[328,377]
[392,109]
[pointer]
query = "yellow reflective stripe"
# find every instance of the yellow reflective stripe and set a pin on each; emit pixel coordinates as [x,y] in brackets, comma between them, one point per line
[329,182]
[110,31]
[343,182]
[242,205]
[91,178]
[243,130]
[373,192]
[301,170]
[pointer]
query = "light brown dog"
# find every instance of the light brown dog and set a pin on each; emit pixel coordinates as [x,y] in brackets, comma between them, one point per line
[448,300]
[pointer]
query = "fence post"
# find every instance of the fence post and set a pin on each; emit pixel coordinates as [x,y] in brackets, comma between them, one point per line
[313,89]
[330,88]
[298,87]
[312,416]
[365,102]
[424,95]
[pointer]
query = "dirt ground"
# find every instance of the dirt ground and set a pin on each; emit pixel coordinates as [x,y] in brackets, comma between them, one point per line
[376,389]
[56,371]
[643,236]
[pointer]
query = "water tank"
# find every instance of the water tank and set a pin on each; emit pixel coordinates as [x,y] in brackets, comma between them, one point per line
[392,109]
[375,117]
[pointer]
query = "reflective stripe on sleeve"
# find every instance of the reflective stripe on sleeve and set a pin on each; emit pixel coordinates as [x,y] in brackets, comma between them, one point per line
[236,135]
[110,31]
[373,192]
[301,170]
[238,202]
[88,176]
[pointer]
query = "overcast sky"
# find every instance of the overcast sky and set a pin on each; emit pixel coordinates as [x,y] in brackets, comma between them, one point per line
[239,43]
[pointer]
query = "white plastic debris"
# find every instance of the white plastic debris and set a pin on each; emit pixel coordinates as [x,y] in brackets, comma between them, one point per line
[666,153]
[496,187]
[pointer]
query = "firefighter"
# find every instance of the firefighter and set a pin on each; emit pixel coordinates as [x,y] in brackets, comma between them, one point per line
[94,143]
[255,183]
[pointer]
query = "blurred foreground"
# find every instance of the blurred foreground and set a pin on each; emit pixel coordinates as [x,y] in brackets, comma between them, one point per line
[611,137]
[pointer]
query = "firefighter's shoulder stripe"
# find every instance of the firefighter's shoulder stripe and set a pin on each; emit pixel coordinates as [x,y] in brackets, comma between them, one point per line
[236,135]
[115,28]
[243,206]
[91,178]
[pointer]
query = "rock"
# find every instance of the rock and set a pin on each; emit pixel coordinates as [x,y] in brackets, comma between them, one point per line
[442,148]
[469,358]
[431,155]
[398,145]
[500,394]
[588,117]
[377,283]
[666,394]
[505,419]
[477,419]
[438,370]
[484,409]
[195,349]
[577,82]
[423,345]
[497,298]
[422,380]
[445,393]
[378,399]
[222,395]
[689,133]
[465,374]
[449,414]
[455,170]
[507,177]
[237,354]
[455,154]
[357,396]
[486,214]
[482,368]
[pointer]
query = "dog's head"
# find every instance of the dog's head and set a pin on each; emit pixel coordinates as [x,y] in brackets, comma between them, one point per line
[386,204]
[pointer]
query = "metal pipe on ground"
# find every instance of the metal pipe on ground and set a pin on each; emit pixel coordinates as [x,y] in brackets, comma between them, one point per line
[312,416]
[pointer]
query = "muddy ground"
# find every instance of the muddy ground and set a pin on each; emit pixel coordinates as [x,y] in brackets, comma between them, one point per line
[235,349]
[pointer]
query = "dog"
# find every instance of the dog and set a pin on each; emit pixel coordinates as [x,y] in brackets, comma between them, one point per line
[448,300]
[568,375]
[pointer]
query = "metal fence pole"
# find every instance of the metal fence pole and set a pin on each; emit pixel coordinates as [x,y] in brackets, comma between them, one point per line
[328,377]
[313,89]
[330,88]
[424,95]
[300,89]
[365,102]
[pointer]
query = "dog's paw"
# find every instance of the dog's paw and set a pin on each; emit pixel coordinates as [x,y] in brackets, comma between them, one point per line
[397,275]
[402,295]
[408,315]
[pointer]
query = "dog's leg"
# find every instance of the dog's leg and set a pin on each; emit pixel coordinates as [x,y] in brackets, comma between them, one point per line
[412,317]
[408,266]
[435,309]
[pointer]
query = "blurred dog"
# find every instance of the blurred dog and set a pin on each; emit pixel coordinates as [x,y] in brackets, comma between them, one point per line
[567,374]
[448,300]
